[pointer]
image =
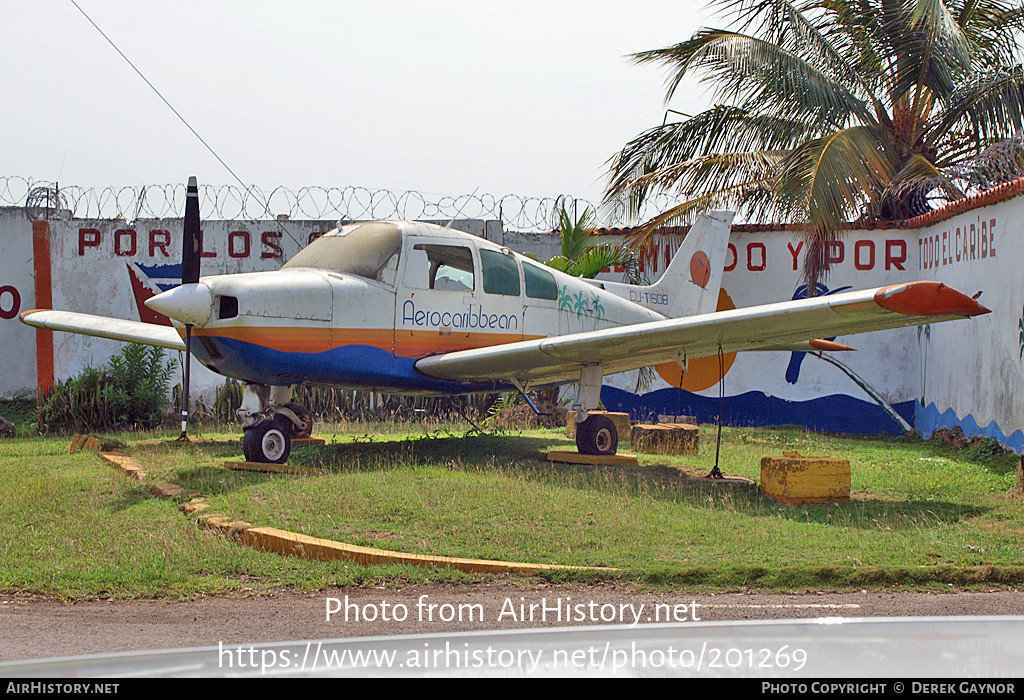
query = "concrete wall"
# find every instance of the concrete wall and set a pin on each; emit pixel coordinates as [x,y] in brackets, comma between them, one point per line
[17,293]
[972,372]
[965,373]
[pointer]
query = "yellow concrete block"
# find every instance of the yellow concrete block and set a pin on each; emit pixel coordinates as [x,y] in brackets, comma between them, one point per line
[621,421]
[666,439]
[793,479]
[577,458]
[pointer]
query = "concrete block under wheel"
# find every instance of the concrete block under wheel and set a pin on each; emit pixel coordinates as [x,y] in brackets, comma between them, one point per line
[666,439]
[577,458]
[621,421]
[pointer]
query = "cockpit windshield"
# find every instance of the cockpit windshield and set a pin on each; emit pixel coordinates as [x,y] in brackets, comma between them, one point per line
[367,250]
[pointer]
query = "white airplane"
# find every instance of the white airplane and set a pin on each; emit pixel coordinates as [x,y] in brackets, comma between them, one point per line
[413,308]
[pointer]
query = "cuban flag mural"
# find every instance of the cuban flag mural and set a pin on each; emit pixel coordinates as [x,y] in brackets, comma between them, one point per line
[148,281]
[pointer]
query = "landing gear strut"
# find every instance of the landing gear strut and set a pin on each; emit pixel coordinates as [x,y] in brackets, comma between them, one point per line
[595,435]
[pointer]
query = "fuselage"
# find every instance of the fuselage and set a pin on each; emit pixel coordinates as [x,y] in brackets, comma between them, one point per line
[359,306]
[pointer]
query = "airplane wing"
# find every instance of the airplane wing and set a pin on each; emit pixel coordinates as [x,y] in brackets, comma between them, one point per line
[105,327]
[771,326]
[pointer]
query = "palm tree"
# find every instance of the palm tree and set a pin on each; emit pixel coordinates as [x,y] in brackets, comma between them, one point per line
[582,255]
[829,111]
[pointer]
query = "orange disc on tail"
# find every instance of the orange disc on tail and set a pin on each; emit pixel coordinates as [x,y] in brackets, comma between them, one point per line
[702,372]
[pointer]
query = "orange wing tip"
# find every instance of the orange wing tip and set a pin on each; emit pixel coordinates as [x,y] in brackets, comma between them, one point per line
[829,345]
[928,299]
[23,314]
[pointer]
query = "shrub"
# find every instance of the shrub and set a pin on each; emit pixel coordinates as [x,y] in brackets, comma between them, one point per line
[129,392]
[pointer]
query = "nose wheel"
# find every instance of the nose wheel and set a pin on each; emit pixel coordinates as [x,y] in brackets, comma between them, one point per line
[268,441]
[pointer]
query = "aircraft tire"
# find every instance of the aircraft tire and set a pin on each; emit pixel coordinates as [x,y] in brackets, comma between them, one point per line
[597,435]
[267,441]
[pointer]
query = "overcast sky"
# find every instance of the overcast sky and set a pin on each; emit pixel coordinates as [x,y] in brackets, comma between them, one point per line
[527,97]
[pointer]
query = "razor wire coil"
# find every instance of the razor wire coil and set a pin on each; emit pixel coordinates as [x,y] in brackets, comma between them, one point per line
[351,203]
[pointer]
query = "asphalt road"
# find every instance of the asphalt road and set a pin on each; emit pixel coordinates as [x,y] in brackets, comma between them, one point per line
[33,628]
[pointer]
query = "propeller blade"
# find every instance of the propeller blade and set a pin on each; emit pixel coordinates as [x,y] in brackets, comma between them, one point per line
[190,257]
[190,249]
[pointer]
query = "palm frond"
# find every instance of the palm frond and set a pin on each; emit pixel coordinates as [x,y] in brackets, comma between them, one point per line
[684,213]
[991,103]
[828,181]
[760,76]
[652,160]
[835,110]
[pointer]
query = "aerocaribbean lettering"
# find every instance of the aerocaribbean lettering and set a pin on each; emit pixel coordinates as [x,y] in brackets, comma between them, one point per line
[473,318]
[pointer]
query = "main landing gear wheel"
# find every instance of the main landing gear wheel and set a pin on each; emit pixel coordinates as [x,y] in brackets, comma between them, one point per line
[303,414]
[597,435]
[267,441]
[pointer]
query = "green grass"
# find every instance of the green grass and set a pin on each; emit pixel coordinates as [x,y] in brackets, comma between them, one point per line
[22,412]
[923,514]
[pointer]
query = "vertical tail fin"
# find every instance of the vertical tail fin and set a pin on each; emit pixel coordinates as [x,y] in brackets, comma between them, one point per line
[694,277]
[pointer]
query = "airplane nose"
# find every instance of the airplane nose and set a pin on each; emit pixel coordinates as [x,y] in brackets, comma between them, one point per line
[189,303]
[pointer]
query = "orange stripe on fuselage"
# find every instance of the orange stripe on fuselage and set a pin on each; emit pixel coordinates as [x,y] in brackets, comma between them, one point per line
[315,340]
[297,338]
[420,343]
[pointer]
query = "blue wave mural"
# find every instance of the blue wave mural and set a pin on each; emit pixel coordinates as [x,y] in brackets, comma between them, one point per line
[930,419]
[837,413]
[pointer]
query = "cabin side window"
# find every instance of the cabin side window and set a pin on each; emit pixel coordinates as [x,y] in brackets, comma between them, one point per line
[442,267]
[501,275]
[540,284]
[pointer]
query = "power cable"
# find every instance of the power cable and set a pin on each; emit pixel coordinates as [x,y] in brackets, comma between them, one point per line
[178,115]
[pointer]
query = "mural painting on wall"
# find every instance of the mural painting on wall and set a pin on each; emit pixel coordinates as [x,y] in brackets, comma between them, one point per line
[1021,326]
[828,400]
[796,358]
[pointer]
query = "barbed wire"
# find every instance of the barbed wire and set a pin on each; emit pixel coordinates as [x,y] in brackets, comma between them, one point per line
[230,202]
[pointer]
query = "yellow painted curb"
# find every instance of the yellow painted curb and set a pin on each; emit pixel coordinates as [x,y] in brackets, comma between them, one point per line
[270,539]
[231,529]
[194,506]
[125,463]
[165,490]
[569,457]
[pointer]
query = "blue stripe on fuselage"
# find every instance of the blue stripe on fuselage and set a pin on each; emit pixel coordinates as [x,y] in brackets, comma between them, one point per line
[350,366]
